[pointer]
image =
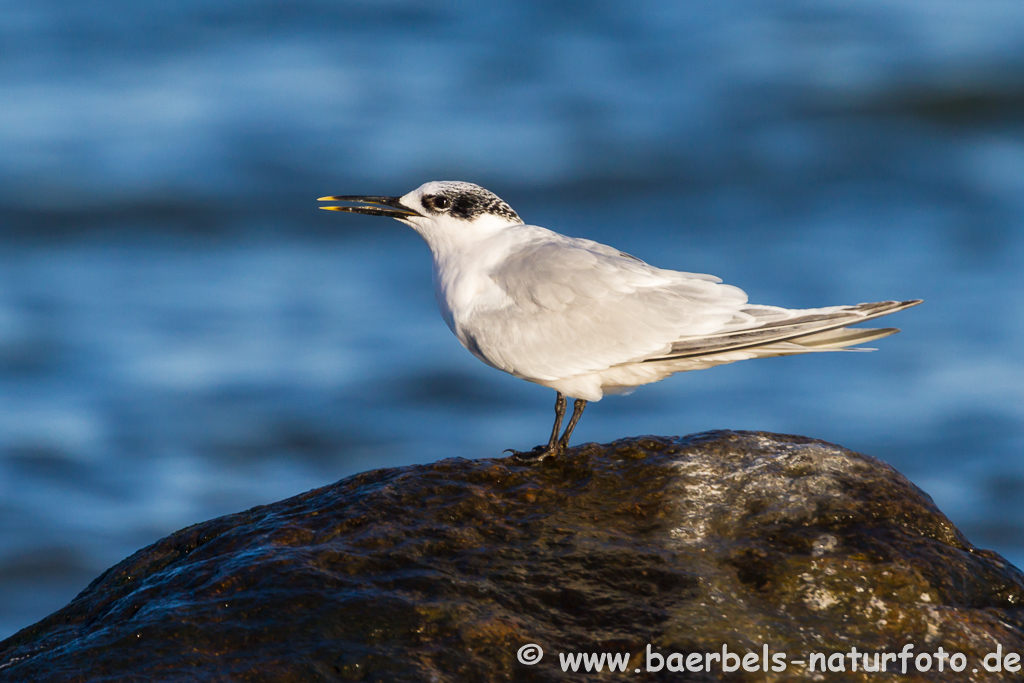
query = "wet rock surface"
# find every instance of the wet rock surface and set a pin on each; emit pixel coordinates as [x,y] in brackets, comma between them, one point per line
[443,571]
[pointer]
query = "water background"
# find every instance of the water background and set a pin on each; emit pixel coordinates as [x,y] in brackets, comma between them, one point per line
[184,335]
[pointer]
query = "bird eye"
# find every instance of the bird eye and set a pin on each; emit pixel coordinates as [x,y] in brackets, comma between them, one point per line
[441,202]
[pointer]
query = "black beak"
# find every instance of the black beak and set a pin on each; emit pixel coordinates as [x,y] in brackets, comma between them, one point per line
[390,207]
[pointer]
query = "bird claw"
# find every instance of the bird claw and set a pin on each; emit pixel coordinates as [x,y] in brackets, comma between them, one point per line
[536,454]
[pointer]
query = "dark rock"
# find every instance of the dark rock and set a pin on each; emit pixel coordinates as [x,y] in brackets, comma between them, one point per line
[442,572]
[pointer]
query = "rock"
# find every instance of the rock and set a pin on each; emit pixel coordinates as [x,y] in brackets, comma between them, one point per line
[650,546]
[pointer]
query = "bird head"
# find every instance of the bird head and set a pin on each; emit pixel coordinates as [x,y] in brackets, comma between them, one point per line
[438,209]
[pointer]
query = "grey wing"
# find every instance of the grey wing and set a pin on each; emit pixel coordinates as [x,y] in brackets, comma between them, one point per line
[605,250]
[823,328]
[576,306]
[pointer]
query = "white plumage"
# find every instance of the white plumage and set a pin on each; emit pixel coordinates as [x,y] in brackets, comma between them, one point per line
[584,318]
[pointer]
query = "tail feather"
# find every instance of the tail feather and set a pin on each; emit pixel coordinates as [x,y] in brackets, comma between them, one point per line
[843,337]
[813,330]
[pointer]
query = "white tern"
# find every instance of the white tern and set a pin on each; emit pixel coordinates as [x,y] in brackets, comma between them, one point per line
[586,319]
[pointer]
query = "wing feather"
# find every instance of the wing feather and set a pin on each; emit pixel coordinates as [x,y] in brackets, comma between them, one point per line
[574,306]
[808,325]
[570,307]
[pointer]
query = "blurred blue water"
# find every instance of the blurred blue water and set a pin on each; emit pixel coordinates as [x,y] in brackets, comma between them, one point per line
[183,334]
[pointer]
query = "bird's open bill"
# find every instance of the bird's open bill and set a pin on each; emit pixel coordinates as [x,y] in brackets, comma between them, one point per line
[390,207]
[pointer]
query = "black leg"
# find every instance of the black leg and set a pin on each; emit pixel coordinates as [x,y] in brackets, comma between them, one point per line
[554,445]
[577,411]
[559,414]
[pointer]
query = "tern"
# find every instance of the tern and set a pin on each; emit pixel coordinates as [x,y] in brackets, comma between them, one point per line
[586,319]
